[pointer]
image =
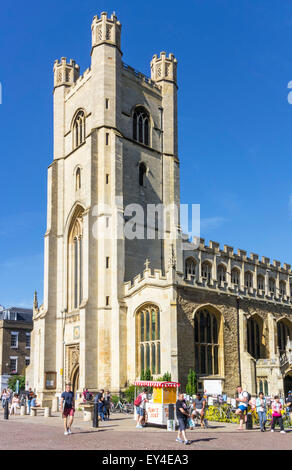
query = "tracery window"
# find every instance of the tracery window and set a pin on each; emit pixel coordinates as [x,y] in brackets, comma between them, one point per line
[248,279]
[206,270]
[141,125]
[190,267]
[148,335]
[282,287]
[235,273]
[75,256]
[283,332]
[261,282]
[253,338]
[206,329]
[79,129]
[272,285]
[221,274]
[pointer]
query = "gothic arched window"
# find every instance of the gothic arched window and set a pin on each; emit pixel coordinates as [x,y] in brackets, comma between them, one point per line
[206,270]
[148,339]
[261,282]
[75,262]
[235,273]
[78,178]
[283,332]
[141,125]
[272,285]
[248,277]
[79,129]
[206,329]
[190,267]
[282,287]
[253,338]
[221,274]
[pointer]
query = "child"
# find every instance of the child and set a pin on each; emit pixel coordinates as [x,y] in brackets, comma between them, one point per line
[276,414]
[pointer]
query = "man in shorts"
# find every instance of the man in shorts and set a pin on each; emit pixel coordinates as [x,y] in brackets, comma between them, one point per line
[67,408]
[141,409]
[182,417]
[242,406]
[199,404]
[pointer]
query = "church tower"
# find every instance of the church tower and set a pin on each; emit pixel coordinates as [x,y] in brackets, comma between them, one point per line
[115,149]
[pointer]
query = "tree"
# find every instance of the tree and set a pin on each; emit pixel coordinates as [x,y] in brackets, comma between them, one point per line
[191,387]
[12,382]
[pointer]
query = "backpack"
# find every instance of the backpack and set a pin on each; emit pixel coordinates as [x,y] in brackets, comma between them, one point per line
[88,396]
[138,400]
[248,396]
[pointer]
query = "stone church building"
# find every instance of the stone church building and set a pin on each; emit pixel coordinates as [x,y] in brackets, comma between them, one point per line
[116,304]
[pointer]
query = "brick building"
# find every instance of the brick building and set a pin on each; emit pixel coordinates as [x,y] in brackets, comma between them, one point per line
[15,333]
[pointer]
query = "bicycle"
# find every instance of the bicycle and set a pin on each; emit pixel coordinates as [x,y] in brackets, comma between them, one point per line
[122,408]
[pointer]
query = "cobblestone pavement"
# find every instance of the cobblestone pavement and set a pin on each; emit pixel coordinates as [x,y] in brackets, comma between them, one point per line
[25,432]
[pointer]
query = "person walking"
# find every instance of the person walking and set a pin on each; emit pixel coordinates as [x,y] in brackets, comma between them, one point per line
[107,404]
[289,405]
[30,396]
[261,408]
[277,415]
[182,416]
[15,404]
[67,408]
[140,404]
[243,399]
[4,397]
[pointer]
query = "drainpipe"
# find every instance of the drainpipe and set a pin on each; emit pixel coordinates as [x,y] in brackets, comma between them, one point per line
[238,339]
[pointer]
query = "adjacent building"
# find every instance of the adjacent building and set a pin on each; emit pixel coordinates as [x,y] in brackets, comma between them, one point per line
[15,342]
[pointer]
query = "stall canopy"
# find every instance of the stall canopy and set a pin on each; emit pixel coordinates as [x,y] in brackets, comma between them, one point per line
[149,383]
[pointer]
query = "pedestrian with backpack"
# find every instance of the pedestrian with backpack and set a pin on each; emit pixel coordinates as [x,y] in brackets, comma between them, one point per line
[140,404]
[243,399]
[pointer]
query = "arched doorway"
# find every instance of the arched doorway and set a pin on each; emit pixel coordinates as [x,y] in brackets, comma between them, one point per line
[75,380]
[287,382]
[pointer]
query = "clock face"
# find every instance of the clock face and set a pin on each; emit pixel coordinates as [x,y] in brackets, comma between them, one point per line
[76,332]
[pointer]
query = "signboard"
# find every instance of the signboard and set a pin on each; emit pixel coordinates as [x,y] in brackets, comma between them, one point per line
[213,387]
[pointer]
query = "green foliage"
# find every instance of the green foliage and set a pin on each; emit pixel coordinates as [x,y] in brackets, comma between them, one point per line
[191,387]
[115,399]
[129,394]
[12,382]
[165,378]
[146,375]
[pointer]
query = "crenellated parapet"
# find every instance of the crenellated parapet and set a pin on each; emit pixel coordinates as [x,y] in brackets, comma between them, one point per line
[65,73]
[106,30]
[164,68]
[148,277]
[207,265]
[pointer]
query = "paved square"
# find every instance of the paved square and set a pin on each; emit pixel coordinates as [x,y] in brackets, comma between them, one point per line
[120,433]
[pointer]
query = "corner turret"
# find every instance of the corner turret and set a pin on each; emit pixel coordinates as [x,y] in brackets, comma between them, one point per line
[164,68]
[106,30]
[65,73]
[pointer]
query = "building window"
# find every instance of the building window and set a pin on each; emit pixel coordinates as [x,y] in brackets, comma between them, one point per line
[272,285]
[283,332]
[235,275]
[190,267]
[253,338]
[248,277]
[142,174]
[221,274]
[141,125]
[27,361]
[282,287]
[261,282]
[27,340]
[148,336]
[13,365]
[75,257]
[79,129]
[78,179]
[206,271]
[206,329]
[14,340]
[107,138]
[107,103]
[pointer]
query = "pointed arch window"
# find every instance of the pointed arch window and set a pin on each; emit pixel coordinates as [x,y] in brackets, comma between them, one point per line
[190,267]
[148,339]
[74,260]
[284,333]
[79,129]
[282,287]
[206,343]
[235,273]
[221,274]
[254,338]
[78,179]
[272,285]
[141,125]
[206,271]
[142,174]
[248,279]
[261,282]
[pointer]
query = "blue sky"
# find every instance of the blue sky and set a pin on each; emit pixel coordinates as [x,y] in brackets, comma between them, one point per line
[235,122]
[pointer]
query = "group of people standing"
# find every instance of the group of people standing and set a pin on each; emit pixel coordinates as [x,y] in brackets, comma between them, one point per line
[103,400]
[14,400]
